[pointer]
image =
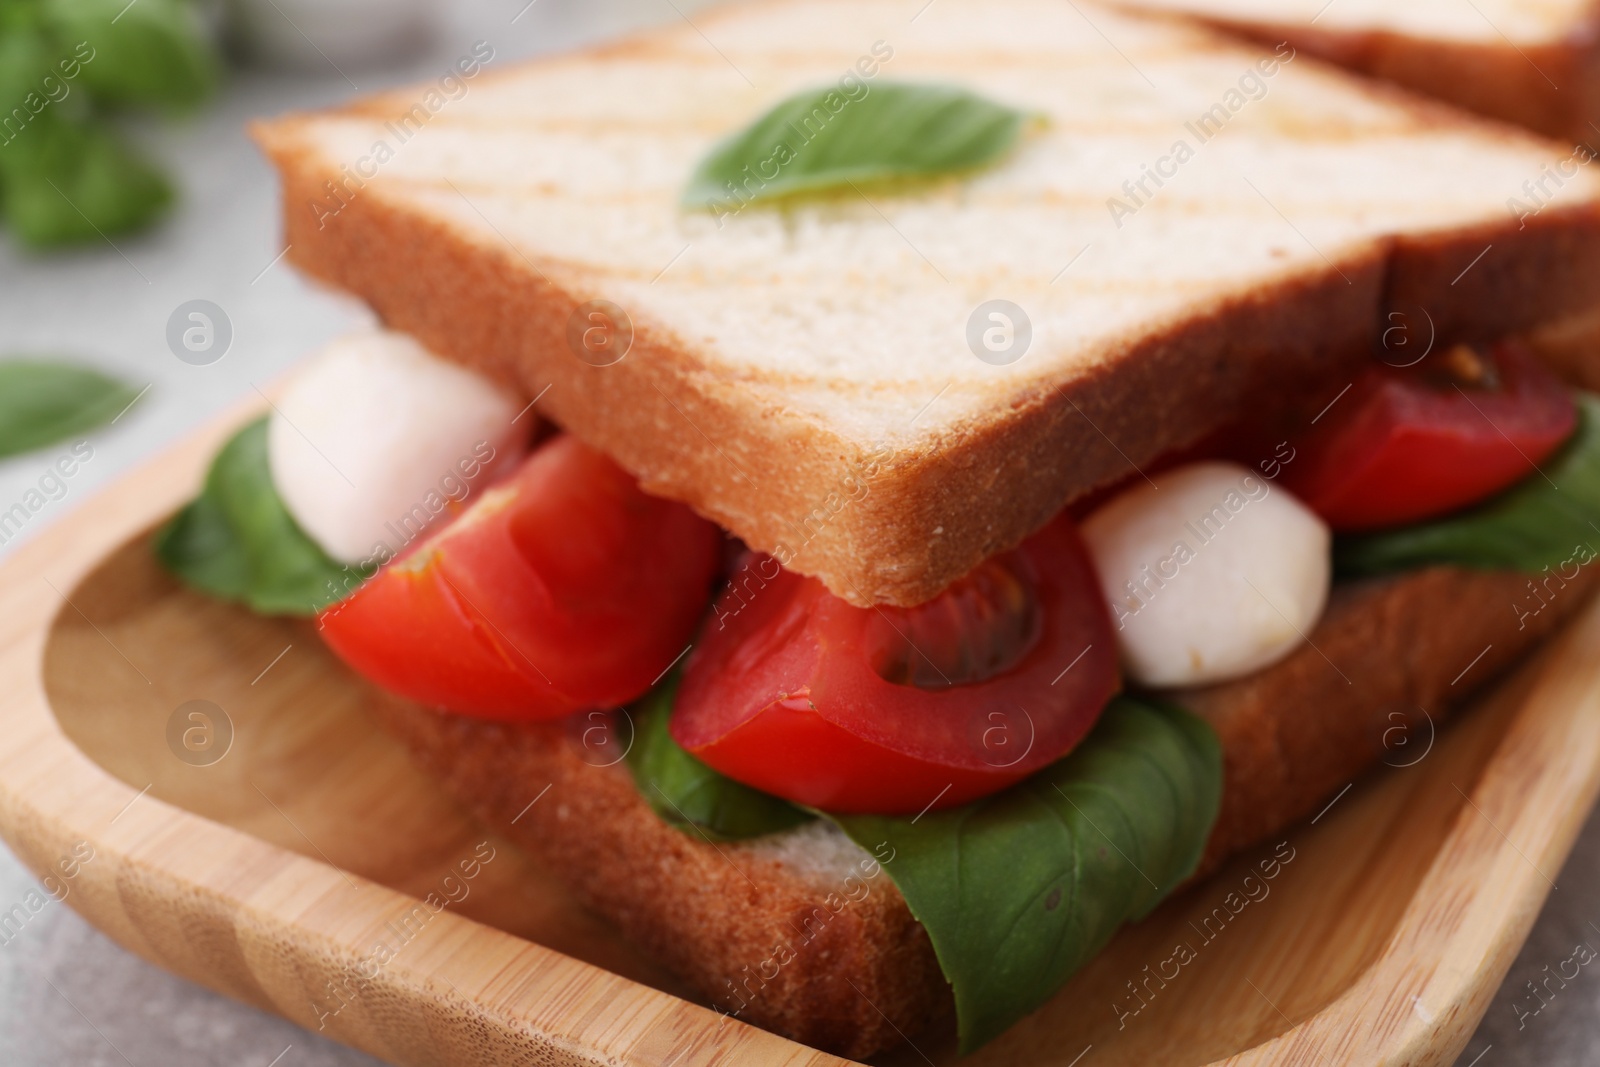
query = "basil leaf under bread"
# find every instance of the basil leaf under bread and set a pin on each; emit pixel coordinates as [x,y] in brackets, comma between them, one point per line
[236,541]
[687,793]
[1550,519]
[824,139]
[45,402]
[1020,889]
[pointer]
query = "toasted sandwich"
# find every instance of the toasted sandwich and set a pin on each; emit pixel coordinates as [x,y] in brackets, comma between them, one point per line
[876,499]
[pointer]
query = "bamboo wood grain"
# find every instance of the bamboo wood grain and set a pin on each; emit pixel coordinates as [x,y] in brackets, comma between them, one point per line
[276,870]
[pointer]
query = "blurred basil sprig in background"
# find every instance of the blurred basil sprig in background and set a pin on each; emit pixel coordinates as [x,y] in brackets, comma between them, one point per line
[69,69]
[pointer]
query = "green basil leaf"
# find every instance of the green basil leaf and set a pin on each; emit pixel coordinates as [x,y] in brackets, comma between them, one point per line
[1020,889]
[1545,521]
[687,793]
[237,541]
[42,403]
[146,52]
[67,181]
[25,56]
[823,139]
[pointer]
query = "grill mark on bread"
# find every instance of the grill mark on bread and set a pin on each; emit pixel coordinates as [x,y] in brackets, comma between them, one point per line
[1328,130]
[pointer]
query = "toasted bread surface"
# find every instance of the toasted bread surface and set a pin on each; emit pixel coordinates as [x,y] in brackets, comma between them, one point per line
[1572,348]
[1381,670]
[799,932]
[1536,64]
[803,932]
[803,376]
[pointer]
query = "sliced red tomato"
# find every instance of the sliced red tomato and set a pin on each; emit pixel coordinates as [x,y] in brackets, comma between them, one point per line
[565,587]
[798,693]
[1410,444]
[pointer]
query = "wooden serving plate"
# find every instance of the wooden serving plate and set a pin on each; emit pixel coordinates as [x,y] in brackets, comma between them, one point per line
[272,873]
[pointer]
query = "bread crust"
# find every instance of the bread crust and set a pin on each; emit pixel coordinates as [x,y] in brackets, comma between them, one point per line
[1384,666]
[1571,347]
[832,959]
[1551,88]
[896,524]
[862,974]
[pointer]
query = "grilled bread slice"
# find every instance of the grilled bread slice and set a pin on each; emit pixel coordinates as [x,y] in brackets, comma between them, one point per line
[1199,227]
[1571,348]
[1535,63]
[803,933]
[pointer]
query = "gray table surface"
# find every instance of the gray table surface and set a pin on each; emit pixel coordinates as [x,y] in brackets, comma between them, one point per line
[67,994]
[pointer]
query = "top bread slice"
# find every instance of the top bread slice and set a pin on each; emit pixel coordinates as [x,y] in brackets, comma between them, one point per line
[1535,63]
[1200,229]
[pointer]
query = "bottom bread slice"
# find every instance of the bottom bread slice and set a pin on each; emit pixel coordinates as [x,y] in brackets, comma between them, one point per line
[802,932]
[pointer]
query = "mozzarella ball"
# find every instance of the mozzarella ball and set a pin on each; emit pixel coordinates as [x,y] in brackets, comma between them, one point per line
[1211,574]
[376,438]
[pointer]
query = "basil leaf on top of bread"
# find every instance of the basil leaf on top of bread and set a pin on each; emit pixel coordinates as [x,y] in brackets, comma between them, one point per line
[857,133]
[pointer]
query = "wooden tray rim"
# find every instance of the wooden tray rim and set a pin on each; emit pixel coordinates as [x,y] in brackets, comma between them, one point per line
[584,1014]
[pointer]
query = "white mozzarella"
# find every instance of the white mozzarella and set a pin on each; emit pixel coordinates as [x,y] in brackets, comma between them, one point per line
[1213,575]
[375,438]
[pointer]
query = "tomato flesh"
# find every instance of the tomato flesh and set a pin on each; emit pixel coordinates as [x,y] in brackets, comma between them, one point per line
[798,693]
[1410,444]
[981,627]
[566,587]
